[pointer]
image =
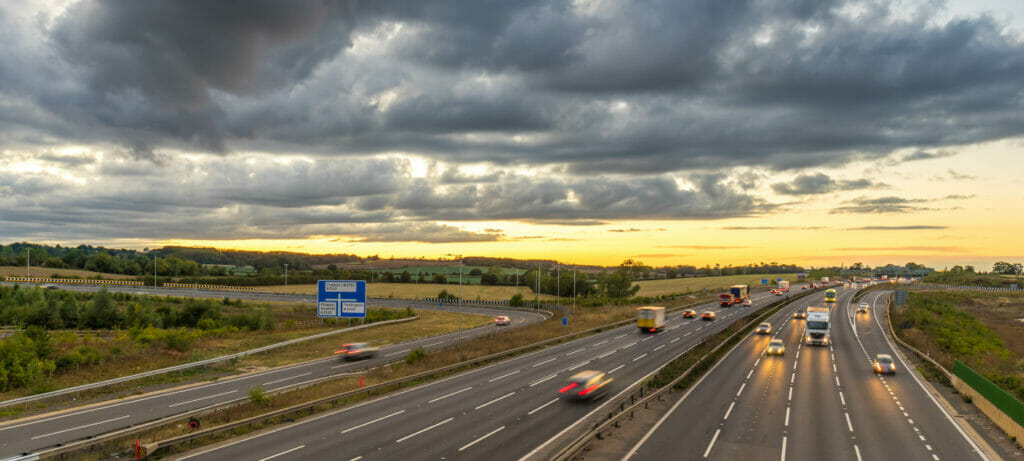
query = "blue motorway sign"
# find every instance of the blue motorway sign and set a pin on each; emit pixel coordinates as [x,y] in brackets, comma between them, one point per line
[341,299]
[778,279]
[764,281]
[565,321]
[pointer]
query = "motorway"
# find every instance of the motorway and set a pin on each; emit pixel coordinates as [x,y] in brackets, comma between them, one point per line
[813,402]
[509,409]
[31,434]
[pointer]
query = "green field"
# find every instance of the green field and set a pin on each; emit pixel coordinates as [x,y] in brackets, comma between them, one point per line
[651,288]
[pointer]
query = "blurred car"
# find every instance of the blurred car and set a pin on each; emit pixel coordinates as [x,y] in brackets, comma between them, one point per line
[800,314]
[774,292]
[804,287]
[747,303]
[707,315]
[357,351]
[776,347]
[586,385]
[764,328]
[502,320]
[689,313]
[779,293]
[863,307]
[884,364]
[52,287]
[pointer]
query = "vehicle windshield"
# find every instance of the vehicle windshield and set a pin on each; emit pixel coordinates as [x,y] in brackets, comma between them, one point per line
[885,360]
[817,325]
[776,342]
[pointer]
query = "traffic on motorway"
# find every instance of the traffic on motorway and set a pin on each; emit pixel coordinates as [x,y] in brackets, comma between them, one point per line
[787,395]
[512,408]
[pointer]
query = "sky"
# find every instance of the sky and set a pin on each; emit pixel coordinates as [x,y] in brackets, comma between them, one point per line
[588,131]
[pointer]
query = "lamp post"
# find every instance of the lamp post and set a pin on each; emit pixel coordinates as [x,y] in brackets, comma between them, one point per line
[460,296]
[285,274]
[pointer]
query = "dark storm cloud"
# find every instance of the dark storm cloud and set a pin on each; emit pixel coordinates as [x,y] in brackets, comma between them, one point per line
[821,183]
[642,86]
[579,113]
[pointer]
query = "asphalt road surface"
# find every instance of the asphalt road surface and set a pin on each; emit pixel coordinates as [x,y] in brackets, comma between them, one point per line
[813,402]
[505,410]
[38,432]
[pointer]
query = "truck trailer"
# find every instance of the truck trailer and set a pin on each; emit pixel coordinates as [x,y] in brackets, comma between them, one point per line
[818,326]
[736,295]
[650,319]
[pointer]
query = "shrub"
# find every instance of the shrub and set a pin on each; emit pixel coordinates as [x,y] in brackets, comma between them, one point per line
[258,396]
[516,301]
[415,355]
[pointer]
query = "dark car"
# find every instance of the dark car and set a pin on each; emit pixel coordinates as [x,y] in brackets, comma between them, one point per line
[764,329]
[356,351]
[884,364]
[586,385]
[800,314]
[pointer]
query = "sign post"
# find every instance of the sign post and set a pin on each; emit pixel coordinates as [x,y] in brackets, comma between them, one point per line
[341,299]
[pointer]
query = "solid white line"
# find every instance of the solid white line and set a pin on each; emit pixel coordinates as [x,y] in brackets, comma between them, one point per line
[414,434]
[546,361]
[640,357]
[382,418]
[606,354]
[656,349]
[729,410]
[510,394]
[783,448]
[80,427]
[201,398]
[283,453]
[848,423]
[787,416]
[856,449]
[398,352]
[286,379]
[616,369]
[577,365]
[541,407]
[575,351]
[506,375]
[708,451]
[741,389]
[481,438]
[449,395]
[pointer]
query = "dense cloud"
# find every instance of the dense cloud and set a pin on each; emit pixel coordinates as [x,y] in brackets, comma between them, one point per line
[272,119]
[821,183]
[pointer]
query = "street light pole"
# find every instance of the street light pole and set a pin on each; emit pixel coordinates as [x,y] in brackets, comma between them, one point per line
[460,297]
[286,274]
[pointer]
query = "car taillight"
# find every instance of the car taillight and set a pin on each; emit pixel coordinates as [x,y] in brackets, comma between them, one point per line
[589,389]
[652,330]
[567,388]
[340,352]
[353,352]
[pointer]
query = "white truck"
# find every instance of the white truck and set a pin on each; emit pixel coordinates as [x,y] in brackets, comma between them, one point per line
[784,285]
[816,329]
